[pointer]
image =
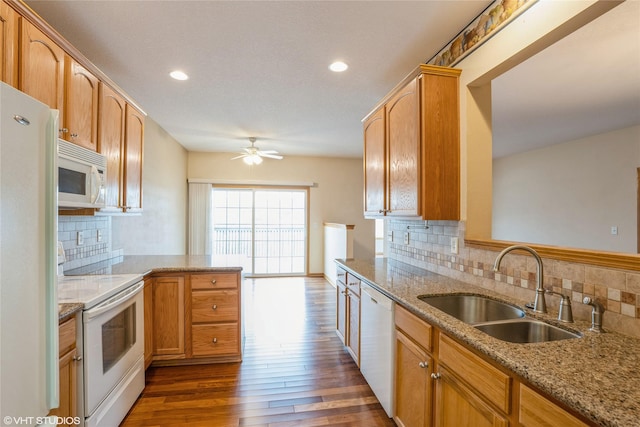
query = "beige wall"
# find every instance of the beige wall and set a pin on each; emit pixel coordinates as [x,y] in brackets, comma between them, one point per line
[337,195]
[161,229]
[570,194]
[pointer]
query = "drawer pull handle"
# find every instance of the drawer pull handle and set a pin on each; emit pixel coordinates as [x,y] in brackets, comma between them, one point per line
[423,365]
[213,282]
[436,376]
[215,307]
[215,340]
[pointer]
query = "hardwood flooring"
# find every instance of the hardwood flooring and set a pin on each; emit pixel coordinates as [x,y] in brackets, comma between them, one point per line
[295,370]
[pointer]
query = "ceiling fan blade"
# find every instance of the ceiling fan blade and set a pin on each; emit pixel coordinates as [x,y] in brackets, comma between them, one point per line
[272,156]
[239,157]
[260,152]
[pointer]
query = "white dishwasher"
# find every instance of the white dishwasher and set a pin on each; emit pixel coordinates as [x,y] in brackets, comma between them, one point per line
[377,344]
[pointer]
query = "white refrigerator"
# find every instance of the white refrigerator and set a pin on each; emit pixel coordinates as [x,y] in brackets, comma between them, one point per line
[28,260]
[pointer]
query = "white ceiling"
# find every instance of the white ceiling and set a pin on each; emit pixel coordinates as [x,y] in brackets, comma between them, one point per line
[259,68]
[586,84]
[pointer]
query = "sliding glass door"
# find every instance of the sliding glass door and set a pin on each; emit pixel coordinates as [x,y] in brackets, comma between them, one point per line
[263,230]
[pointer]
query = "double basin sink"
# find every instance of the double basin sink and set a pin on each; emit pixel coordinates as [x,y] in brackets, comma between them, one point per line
[496,318]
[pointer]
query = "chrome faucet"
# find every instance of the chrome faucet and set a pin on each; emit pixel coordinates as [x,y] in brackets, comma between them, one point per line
[596,314]
[539,304]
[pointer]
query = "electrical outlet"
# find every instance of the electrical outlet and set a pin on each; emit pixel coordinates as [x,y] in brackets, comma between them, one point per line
[80,238]
[99,235]
[614,230]
[454,245]
[390,236]
[406,237]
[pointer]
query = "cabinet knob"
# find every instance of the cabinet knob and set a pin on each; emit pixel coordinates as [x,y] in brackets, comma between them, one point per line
[215,340]
[74,135]
[215,307]
[423,365]
[63,130]
[213,282]
[436,376]
[77,358]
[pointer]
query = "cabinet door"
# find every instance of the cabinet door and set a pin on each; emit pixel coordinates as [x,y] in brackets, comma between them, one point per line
[375,197]
[441,147]
[457,405]
[412,384]
[148,322]
[68,389]
[41,68]
[111,143]
[8,44]
[81,105]
[134,138]
[403,142]
[353,338]
[341,311]
[168,316]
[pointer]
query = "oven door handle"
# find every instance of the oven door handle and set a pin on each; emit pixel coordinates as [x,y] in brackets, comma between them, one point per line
[114,301]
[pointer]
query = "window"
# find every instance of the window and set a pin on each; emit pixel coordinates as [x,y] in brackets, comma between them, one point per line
[264,230]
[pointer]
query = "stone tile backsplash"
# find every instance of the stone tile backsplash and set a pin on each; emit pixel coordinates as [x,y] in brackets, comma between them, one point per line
[430,248]
[92,248]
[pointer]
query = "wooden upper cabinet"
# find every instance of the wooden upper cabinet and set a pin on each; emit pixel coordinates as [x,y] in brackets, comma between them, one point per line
[111,143]
[418,123]
[81,106]
[374,164]
[8,45]
[403,139]
[133,146]
[41,67]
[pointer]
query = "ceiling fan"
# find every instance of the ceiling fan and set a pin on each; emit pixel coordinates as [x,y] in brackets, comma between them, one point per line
[253,155]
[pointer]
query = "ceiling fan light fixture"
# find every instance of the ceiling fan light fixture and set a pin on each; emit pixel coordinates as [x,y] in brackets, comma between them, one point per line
[252,159]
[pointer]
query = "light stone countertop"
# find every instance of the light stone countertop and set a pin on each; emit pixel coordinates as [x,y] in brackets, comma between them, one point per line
[598,375]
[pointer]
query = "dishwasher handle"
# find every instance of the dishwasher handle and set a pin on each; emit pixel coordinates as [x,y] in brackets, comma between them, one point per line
[376,297]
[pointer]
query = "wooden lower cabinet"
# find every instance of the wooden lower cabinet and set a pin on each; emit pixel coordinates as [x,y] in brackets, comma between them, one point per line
[458,405]
[215,316]
[441,382]
[168,317]
[196,318]
[348,312]
[68,372]
[148,322]
[413,388]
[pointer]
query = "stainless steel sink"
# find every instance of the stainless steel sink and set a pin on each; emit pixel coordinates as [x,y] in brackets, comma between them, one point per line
[526,331]
[473,309]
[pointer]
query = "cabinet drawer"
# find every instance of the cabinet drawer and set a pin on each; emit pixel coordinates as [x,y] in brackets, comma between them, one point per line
[215,340]
[214,306]
[67,336]
[537,411]
[418,330]
[353,283]
[341,276]
[492,383]
[214,281]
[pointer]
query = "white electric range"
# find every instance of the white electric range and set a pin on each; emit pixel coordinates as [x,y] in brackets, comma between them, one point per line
[113,343]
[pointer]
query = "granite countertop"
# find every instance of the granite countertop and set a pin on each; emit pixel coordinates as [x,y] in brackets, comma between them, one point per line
[67,310]
[597,375]
[146,264]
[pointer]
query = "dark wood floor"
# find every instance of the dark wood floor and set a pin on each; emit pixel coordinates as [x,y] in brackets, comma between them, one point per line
[295,370]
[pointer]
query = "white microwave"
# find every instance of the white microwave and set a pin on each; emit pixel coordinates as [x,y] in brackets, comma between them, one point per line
[82,177]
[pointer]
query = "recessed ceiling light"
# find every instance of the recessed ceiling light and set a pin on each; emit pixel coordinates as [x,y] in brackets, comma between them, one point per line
[179,75]
[338,66]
